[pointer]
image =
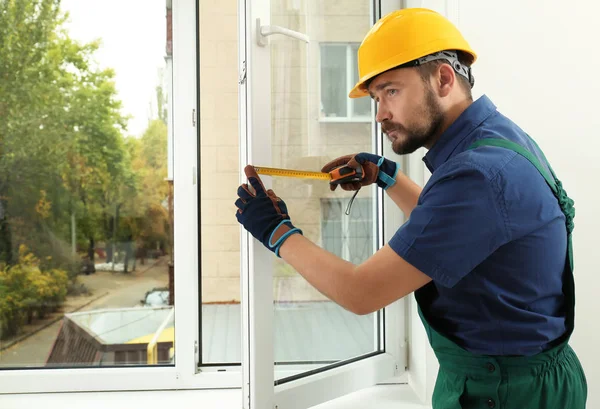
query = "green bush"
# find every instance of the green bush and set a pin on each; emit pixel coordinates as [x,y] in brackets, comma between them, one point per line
[27,292]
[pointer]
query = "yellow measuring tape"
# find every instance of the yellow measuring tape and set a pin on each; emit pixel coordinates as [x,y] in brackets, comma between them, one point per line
[300,174]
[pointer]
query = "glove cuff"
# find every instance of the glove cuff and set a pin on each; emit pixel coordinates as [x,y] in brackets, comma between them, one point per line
[388,171]
[280,233]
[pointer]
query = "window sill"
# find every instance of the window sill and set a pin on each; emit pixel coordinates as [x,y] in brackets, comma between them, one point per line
[382,396]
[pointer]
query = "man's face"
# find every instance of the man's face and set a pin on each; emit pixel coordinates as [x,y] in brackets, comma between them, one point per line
[409,113]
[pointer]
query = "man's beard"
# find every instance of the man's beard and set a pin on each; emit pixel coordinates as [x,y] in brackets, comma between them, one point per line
[412,138]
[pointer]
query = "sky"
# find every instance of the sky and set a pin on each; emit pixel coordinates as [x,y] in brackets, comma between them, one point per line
[133,34]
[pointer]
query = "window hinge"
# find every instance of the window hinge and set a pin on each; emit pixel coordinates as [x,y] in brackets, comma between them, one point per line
[194,117]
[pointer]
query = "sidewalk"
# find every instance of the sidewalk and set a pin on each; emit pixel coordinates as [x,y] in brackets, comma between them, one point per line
[105,290]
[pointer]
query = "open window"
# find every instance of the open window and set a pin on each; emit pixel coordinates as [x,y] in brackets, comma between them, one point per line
[298,65]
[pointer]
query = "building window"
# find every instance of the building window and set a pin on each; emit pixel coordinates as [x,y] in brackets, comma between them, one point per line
[339,74]
[348,236]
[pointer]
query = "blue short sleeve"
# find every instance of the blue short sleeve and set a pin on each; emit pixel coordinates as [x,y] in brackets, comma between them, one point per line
[459,221]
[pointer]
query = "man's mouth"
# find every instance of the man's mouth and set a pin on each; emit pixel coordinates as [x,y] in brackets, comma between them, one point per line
[392,135]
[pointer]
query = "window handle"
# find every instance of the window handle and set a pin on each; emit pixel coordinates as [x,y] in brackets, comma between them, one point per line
[262,32]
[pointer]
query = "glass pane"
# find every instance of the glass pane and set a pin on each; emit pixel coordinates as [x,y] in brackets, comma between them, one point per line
[334,65]
[349,237]
[361,107]
[219,179]
[86,198]
[331,225]
[310,331]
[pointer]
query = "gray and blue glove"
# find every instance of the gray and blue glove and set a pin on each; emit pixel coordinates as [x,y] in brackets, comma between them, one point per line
[263,214]
[376,169]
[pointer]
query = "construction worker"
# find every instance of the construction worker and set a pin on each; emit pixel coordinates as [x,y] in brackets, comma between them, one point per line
[487,242]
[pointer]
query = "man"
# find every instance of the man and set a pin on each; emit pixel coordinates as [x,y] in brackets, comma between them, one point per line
[487,245]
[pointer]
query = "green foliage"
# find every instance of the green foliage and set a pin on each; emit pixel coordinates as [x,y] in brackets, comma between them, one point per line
[150,169]
[63,149]
[27,291]
[60,140]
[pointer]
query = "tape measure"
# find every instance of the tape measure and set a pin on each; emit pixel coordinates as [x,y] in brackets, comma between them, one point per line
[339,175]
[300,174]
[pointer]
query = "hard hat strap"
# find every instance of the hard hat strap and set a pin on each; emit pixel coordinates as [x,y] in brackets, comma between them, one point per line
[452,58]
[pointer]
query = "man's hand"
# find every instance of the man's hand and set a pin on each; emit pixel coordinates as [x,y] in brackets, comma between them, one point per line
[263,214]
[376,169]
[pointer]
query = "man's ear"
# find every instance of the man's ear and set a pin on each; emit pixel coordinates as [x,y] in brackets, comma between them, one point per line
[446,78]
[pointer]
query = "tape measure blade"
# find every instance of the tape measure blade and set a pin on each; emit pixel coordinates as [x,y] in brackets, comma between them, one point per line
[291,173]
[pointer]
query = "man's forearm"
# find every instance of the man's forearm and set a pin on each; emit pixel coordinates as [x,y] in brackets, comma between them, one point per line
[331,275]
[380,280]
[405,193]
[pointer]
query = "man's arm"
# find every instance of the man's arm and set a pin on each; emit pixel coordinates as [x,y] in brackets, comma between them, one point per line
[405,193]
[384,278]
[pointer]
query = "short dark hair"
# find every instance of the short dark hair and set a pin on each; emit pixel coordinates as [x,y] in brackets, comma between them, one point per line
[427,69]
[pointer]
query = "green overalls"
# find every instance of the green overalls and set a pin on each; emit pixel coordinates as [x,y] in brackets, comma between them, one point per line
[552,379]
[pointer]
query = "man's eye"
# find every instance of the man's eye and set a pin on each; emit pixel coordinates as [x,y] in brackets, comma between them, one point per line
[392,92]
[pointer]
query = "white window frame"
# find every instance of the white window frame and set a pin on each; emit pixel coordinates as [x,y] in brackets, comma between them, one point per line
[257,297]
[349,85]
[185,373]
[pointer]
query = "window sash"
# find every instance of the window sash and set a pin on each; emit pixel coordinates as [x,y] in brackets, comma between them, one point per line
[257,294]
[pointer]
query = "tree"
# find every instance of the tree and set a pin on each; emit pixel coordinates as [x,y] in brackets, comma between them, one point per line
[31,108]
[63,160]
[162,98]
[149,164]
[99,174]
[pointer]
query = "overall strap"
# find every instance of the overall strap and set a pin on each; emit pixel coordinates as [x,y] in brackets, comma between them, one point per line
[504,143]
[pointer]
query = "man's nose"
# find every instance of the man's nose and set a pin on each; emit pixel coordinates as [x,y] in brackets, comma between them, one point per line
[383,114]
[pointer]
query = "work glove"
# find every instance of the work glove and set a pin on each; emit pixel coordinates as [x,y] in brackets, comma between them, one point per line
[263,214]
[376,169]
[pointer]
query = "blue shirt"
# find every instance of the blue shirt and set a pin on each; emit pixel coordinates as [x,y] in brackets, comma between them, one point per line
[490,233]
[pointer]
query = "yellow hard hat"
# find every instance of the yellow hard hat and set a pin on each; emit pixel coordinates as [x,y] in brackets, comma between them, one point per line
[403,36]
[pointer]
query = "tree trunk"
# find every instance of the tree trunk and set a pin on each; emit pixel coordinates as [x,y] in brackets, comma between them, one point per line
[73,234]
[114,233]
[128,254]
[91,256]
[6,250]
[107,230]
